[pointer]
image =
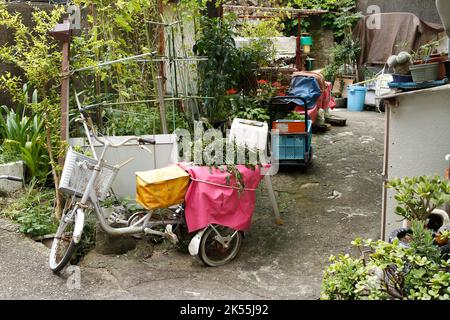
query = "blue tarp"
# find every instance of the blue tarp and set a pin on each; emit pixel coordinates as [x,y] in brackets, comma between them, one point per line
[307,88]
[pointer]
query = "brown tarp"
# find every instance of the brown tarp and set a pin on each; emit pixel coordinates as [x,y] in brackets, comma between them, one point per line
[398,32]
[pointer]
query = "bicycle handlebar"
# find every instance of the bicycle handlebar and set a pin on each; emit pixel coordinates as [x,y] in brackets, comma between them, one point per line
[118,145]
[106,142]
[146,141]
[140,140]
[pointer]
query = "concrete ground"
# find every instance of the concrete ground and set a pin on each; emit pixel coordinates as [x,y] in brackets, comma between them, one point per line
[324,208]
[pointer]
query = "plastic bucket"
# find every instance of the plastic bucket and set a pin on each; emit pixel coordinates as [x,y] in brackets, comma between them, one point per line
[356,98]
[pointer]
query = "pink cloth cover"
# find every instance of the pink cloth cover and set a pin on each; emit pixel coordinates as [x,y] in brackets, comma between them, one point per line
[210,204]
[325,101]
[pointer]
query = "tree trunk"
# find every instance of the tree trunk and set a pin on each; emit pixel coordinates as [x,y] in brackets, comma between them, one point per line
[58,196]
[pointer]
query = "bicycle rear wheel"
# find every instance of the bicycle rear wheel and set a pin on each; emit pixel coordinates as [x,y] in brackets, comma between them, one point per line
[219,245]
[63,246]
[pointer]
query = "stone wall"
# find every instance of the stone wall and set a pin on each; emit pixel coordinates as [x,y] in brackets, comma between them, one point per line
[424,9]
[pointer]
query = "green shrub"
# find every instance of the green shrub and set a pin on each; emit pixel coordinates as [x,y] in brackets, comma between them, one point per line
[22,138]
[390,271]
[418,197]
[34,211]
[227,68]
[250,109]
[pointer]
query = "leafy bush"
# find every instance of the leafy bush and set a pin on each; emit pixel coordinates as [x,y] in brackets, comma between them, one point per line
[23,138]
[227,67]
[250,109]
[418,197]
[38,57]
[34,211]
[344,57]
[328,20]
[390,271]
[140,120]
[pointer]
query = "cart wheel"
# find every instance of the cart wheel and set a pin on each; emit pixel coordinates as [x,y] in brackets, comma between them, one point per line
[212,251]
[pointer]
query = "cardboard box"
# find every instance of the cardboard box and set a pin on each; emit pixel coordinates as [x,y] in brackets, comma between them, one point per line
[340,86]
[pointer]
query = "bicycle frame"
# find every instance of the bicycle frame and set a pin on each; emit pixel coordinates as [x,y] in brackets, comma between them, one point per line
[89,196]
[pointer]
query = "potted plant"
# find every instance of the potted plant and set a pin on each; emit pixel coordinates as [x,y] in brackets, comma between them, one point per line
[428,65]
[389,271]
[401,64]
[417,199]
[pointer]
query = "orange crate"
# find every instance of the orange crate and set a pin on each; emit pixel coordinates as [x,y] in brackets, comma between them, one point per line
[289,126]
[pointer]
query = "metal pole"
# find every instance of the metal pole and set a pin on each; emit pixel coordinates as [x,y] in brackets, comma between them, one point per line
[299,53]
[107,63]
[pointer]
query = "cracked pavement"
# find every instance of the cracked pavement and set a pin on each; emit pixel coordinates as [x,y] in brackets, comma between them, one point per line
[324,208]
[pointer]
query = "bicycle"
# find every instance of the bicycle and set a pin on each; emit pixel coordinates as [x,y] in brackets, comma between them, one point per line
[89,181]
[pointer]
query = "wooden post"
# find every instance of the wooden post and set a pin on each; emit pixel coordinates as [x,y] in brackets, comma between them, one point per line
[63,33]
[65,86]
[299,52]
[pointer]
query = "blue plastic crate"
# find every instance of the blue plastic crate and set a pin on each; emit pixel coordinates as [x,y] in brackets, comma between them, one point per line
[292,146]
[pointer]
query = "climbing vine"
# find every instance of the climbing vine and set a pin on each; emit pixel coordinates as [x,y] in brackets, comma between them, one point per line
[38,57]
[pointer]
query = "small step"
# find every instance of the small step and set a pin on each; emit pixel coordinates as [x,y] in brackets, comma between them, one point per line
[336,121]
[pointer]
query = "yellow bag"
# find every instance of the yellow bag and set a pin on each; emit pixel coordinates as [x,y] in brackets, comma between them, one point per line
[161,188]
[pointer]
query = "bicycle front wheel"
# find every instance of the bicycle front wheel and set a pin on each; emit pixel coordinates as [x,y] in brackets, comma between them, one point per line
[219,245]
[63,246]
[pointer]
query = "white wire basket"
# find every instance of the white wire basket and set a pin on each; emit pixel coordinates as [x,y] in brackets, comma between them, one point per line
[75,176]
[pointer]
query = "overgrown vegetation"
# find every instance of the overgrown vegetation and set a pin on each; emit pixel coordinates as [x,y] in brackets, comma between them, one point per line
[22,138]
[418,197]
[416,270]
[345,54]
[38,57]
[33,211]
[118,29]
[328,20]
[227,68]
[387,271]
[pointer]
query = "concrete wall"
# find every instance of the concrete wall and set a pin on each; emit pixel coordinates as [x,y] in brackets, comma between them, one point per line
[14,169]
[424,9]
[418,140]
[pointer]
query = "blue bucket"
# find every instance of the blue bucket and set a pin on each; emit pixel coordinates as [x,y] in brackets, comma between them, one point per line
[356,98]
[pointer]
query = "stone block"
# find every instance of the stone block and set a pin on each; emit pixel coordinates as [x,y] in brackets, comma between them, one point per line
[11,169]
[108,244]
